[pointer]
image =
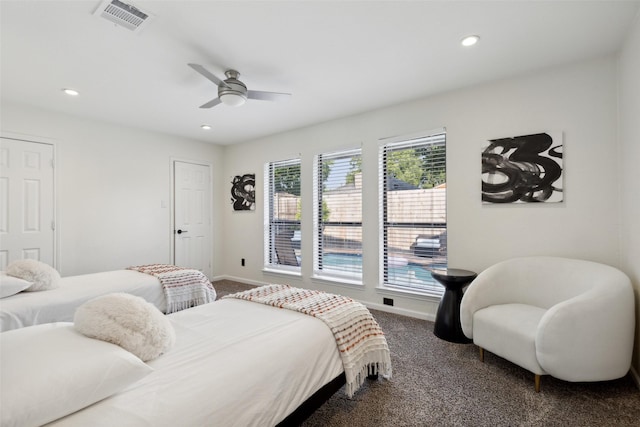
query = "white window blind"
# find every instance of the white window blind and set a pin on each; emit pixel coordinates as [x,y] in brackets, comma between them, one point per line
[338,215]
[282,214]
[413,198]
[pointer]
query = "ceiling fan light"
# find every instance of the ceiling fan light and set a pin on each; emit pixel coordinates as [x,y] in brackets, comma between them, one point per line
[233,99]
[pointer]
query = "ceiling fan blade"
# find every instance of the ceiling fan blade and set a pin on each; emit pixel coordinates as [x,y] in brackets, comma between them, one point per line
[267,96]
[211,103]
[200,69]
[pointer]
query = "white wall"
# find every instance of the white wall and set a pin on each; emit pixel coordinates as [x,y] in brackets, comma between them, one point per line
[579,100]
[111,181]
[629,111]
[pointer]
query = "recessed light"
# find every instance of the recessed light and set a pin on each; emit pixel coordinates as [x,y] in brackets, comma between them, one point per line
[205,127]
[71,92]
[469,41]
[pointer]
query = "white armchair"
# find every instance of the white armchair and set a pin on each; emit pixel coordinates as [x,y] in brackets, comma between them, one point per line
[568,318]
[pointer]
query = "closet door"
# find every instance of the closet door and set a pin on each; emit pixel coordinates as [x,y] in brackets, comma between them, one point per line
[192,216]
[26,201]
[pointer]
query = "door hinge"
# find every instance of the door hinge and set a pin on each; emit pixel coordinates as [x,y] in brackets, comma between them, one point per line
[52,163]
[53,225]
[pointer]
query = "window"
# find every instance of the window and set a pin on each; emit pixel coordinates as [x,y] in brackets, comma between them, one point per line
[338,215]
[282,215]
[413,198]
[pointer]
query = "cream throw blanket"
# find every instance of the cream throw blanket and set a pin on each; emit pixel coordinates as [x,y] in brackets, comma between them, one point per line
[183,287]
[361,342]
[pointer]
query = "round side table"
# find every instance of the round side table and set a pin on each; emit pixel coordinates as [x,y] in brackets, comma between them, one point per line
[447,325]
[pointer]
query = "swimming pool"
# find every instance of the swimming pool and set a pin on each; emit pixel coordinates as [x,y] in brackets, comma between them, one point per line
[407,275]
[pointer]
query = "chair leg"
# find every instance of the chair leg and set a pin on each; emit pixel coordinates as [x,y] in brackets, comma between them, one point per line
[537,383]
[481,354]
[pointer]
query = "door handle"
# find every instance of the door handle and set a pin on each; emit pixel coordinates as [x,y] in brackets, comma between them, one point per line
[181,231]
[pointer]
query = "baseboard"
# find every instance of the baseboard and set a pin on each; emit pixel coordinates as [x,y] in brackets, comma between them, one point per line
[635,376]
[400,311]
[238,279]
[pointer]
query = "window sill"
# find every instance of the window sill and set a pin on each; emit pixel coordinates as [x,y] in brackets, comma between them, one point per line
[282,272]
[423,296]
[338,281]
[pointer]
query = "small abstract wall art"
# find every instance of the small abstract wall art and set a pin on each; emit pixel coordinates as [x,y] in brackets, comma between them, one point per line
[243,192]
[523,169]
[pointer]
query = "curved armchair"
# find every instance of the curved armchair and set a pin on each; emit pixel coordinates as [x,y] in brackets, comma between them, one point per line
[568,318]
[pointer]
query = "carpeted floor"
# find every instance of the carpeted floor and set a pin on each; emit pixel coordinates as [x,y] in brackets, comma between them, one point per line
[437,383]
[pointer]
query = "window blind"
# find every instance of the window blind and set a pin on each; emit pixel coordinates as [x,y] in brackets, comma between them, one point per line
[282,214]
[413,198]
[338,215]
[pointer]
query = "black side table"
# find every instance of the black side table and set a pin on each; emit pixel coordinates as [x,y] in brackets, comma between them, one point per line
[447,324]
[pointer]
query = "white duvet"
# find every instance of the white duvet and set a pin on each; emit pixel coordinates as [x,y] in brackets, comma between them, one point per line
[235,363]
[59,304]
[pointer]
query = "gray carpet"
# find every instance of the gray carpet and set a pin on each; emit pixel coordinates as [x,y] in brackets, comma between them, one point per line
[437,383]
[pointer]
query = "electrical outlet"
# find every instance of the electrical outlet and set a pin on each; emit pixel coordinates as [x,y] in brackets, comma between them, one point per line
[387,301]
[242,262]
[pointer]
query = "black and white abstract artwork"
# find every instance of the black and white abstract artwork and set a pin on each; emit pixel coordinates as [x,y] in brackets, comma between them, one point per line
[243,192]
[523,169]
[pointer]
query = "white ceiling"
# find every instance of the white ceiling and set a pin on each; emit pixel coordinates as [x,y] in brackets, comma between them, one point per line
[337,58]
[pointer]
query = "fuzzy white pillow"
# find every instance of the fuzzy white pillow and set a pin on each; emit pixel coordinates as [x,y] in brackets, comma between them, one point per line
[128,321]
[42,275]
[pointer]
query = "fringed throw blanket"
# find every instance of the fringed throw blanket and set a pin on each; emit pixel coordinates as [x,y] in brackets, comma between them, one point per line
[361,342]
[183,287]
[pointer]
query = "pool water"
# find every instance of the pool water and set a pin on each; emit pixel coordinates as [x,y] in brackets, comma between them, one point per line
[407,275]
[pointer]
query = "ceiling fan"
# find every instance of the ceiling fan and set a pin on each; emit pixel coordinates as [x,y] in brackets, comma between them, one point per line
[232,91]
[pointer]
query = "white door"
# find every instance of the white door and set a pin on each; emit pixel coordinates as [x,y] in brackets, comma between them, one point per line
[26,201]
[192,216]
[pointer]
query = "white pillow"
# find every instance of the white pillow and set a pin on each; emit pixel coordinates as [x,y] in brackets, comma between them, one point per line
[128,321]
[10,285]
[42,275]
[50,370]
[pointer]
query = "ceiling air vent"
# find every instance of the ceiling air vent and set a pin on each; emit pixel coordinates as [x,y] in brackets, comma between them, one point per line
[123,14]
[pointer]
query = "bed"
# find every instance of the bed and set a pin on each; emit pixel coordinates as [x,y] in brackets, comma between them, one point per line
[234,363]
[59,304]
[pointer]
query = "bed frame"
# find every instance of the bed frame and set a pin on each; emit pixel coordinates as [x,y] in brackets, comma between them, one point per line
[316,400]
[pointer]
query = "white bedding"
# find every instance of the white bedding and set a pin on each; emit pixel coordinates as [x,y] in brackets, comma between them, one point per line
[59,304]
[235,363]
